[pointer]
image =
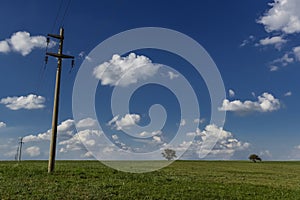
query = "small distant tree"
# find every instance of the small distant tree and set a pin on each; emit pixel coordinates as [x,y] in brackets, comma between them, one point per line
[169,154]
[254,157]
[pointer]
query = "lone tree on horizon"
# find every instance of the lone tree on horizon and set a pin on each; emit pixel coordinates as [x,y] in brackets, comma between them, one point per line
[169,154]
[254,157]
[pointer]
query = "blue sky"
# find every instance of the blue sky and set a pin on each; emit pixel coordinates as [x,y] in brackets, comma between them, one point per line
[255,46]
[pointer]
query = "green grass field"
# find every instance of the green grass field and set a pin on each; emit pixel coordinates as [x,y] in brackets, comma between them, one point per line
[180,180]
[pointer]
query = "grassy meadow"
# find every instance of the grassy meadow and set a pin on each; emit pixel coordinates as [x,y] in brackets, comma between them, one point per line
[180,180]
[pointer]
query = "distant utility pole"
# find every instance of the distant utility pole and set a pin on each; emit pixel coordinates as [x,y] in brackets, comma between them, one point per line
[19,151]
[17,154]
[59,57]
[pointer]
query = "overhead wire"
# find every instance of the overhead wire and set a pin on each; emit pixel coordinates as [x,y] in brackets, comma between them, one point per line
[57,21]
[62,25]
[43,68]
[57,15]
[65,13]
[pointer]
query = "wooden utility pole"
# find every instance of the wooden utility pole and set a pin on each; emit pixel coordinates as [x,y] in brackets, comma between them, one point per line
[20,149]
[59,57]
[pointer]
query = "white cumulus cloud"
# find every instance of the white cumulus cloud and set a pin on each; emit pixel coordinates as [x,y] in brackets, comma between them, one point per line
[296,52]
[68,139]
[23,43]
[82,55]
[87,122]
[2,125]
[247,41]
[283,16]
[33,151]
[149,134]
[172,75]
[285,59]
[28,102]
[273,68]
[277,41]
[265,103]
[124,122]
[182,122]
[226,146]
[130,69]
[79,141]
[157,139]
[4,47]
[64,130]
[199,121]
[114,137]
[289,93]
[231,93]
[297,147]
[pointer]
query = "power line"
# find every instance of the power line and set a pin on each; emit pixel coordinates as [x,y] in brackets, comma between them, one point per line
[65,13]
[61,12]
[57,14]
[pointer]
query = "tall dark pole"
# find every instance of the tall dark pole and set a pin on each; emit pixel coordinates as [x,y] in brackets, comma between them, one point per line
[20,149]
[59,57]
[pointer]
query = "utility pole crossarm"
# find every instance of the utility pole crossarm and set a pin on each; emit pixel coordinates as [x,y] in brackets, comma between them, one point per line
[60,37]
[59,55]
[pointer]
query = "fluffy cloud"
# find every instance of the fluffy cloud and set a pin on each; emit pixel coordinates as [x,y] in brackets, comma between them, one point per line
[149,134]
[33,151]
[296,52]
[82,55]
[87,122]
[226,139]
[199,121]
[265,103]
[285,60]
[225,147]
[125,122]
[88,155]
[294,153]
[247,41]
[266,154]
[67,138]
[4,47]
[114,137]
[172,75]
[28,102]
[289,93]
[277,41]
[193,134]
[76,141]
[23,43]
[297,147]
[2,125]
[64,130]
[231,93]
[274,68]
[157,139]
[73,143]
[130,69]
[283,16]
[182,122]
[7,148]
